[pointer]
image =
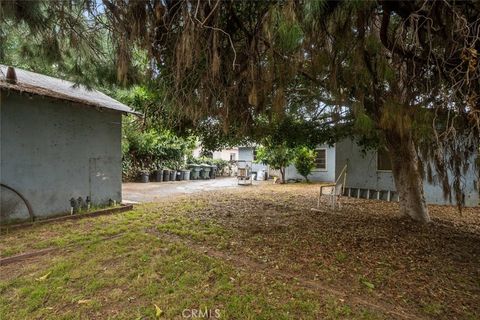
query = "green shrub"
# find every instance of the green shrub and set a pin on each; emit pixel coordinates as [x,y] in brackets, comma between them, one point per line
[304,161]
[277,156]
[151,149]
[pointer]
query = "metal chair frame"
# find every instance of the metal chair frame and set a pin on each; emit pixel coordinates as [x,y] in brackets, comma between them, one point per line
[333,191]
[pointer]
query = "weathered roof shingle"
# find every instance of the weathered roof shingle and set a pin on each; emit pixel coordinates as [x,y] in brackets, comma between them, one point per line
[40,84]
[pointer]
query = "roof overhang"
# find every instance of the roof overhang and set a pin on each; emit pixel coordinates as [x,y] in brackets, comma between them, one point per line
[46,86]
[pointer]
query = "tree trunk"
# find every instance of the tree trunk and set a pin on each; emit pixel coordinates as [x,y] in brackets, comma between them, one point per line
[282,172]
[408,178]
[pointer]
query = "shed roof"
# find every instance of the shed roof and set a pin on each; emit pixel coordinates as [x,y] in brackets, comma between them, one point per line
[43,85]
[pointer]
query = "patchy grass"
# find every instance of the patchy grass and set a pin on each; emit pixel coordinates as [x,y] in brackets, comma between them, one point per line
[125,277]
[258,254]
[68,233]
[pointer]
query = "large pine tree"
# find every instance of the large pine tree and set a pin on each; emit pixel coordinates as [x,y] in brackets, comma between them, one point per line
[401,74]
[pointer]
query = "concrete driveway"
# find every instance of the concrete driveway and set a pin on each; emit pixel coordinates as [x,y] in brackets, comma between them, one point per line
[150,192]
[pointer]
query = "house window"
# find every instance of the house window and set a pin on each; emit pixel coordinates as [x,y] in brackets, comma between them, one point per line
[383,160]
[232,156]
[321,159]
[254,154]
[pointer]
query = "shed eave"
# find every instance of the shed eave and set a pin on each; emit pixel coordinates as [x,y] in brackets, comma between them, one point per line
[22,87]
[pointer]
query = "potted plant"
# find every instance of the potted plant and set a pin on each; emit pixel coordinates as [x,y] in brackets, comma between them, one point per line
[144,174]
[158,173]
[166,174]
[173,175]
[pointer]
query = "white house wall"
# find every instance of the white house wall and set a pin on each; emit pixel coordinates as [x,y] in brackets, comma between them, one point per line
[197,152]
[317,175]
[225,154]
[362,168]
[218,155]
[363,175]
[246,154]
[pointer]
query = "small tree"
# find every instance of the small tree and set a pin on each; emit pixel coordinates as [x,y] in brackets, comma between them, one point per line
[276,156]
[304,161]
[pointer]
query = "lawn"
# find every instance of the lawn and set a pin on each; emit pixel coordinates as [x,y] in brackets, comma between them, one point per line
[256,252]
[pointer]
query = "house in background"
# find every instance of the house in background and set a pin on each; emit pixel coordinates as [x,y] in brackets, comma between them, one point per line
[235,154]
[370,176]
[324,170]
[225,154]
[250,154]
[58,142]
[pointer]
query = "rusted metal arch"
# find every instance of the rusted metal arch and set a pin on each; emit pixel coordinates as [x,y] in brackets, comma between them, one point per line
[29,207]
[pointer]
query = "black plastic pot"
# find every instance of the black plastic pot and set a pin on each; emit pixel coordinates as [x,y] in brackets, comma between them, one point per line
[158,174]
[173,175]
[144,177]
[166,175]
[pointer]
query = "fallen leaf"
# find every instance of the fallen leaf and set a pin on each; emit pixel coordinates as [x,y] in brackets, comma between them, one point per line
[368,284]
[158,311]
[44,277]
[84,301]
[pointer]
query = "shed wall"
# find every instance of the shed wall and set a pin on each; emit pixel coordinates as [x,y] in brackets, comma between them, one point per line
[52,151]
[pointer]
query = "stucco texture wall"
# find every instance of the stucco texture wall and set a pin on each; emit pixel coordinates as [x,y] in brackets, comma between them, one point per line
[53,150]
[225,154]
[362,168]
[317,175]
[363,174]
[246,154]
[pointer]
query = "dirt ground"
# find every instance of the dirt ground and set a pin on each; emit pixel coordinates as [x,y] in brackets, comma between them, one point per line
[360,262]
[365,249]
[153,191]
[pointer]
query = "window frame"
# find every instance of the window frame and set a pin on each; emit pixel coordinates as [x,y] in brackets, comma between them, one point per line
[376,162]
[326,160]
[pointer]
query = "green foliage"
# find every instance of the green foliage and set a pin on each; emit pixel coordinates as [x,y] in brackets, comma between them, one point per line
[149,143]
[151,149]
[79,54]
[299,128]
[277,156]
[292,137]
[138,97]
[289,33]
[145,100]
[304,161]
[271,56]
[312,10]
[364,123]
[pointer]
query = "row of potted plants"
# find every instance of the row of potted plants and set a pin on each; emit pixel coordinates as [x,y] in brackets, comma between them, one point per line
[192,172]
